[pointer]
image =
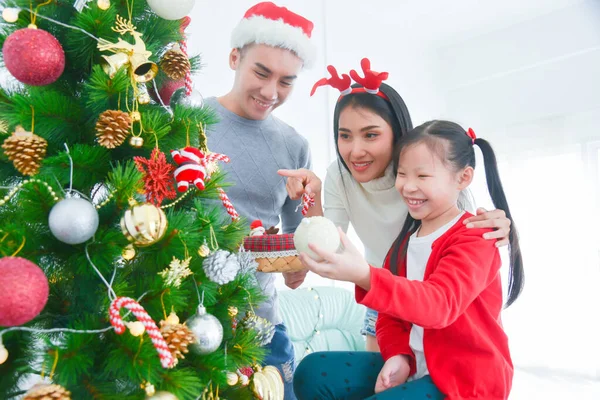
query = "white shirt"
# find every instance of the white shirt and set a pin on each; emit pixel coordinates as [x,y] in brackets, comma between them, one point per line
[417,255]
[375,209]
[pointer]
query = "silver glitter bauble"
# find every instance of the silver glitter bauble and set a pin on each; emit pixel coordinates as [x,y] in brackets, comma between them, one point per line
[194,100]
[208,331]
[73,220]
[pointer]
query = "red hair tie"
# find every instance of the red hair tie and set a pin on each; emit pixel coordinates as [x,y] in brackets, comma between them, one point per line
[471,133]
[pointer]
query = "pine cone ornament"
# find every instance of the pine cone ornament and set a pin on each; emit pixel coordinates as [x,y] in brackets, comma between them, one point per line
[112,128]
[264,329]
[178,337]
[221,266]
[247,262]
[175,63]
[47,392]
[26,150]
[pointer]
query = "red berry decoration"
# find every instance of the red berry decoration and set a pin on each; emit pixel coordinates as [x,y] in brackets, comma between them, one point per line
[23,291]
[33,56]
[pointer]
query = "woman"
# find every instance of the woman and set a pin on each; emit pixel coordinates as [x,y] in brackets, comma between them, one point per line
[369,119]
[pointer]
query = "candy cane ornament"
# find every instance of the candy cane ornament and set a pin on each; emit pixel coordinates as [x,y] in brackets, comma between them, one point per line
[166,358]
[213,157]
[228,205]
[306,203]
[183,46]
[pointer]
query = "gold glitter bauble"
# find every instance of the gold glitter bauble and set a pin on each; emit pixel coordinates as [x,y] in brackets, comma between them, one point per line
[144,224]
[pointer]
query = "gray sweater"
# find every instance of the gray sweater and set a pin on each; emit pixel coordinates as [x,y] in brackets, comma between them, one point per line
[257,149]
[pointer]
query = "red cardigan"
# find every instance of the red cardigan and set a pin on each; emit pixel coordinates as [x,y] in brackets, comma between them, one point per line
[458,304]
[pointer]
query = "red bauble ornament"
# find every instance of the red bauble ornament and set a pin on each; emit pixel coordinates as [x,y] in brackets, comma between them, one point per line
[167,89]
[23,291]
[33,56]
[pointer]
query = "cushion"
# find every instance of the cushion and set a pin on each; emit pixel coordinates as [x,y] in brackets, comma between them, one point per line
[338,329]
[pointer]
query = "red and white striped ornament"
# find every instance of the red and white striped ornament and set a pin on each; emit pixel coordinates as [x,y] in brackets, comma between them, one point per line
[183,46]
[166,358]
[213,157]
[307,202]
[228,205]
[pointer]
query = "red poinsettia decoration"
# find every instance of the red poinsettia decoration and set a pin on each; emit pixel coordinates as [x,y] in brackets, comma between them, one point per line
[158,177]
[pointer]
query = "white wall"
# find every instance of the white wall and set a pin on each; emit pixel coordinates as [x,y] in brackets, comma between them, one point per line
[532,88]
[210,36]
[524,75]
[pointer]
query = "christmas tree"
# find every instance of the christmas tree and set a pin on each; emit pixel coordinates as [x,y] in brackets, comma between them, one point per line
[120,270]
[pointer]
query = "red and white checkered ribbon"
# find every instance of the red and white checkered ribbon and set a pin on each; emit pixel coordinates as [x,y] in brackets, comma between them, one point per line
[183,46]
[166,358]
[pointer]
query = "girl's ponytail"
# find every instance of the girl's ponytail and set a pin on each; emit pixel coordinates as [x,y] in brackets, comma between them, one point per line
[516,275]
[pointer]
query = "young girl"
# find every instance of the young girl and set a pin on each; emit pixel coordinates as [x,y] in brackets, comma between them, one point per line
[359,187]
[439,295]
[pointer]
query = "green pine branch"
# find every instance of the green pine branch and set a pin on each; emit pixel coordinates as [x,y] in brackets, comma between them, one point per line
[109,366]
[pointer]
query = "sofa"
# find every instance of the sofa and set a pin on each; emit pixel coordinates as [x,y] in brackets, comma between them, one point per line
[322,319]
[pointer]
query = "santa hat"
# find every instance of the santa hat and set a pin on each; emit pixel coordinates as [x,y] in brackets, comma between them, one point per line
[267,23]
[256,224]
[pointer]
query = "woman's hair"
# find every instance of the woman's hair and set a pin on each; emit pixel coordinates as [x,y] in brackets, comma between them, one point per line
[393,111]
[456,149]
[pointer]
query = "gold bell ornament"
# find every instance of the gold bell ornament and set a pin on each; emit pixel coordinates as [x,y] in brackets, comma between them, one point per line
[136,56]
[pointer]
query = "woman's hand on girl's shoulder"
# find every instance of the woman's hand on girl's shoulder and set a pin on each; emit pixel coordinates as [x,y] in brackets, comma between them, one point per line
[301,181]
[495,219]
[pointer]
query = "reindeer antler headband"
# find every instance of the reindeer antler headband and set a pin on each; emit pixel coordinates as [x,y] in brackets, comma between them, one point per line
[370,82]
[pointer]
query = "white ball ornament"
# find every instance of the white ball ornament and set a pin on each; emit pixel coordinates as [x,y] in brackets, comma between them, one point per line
[73,220]
[10,14]
[171,9]
[319,231]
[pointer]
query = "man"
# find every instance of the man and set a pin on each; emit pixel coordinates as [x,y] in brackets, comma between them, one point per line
[271,45]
